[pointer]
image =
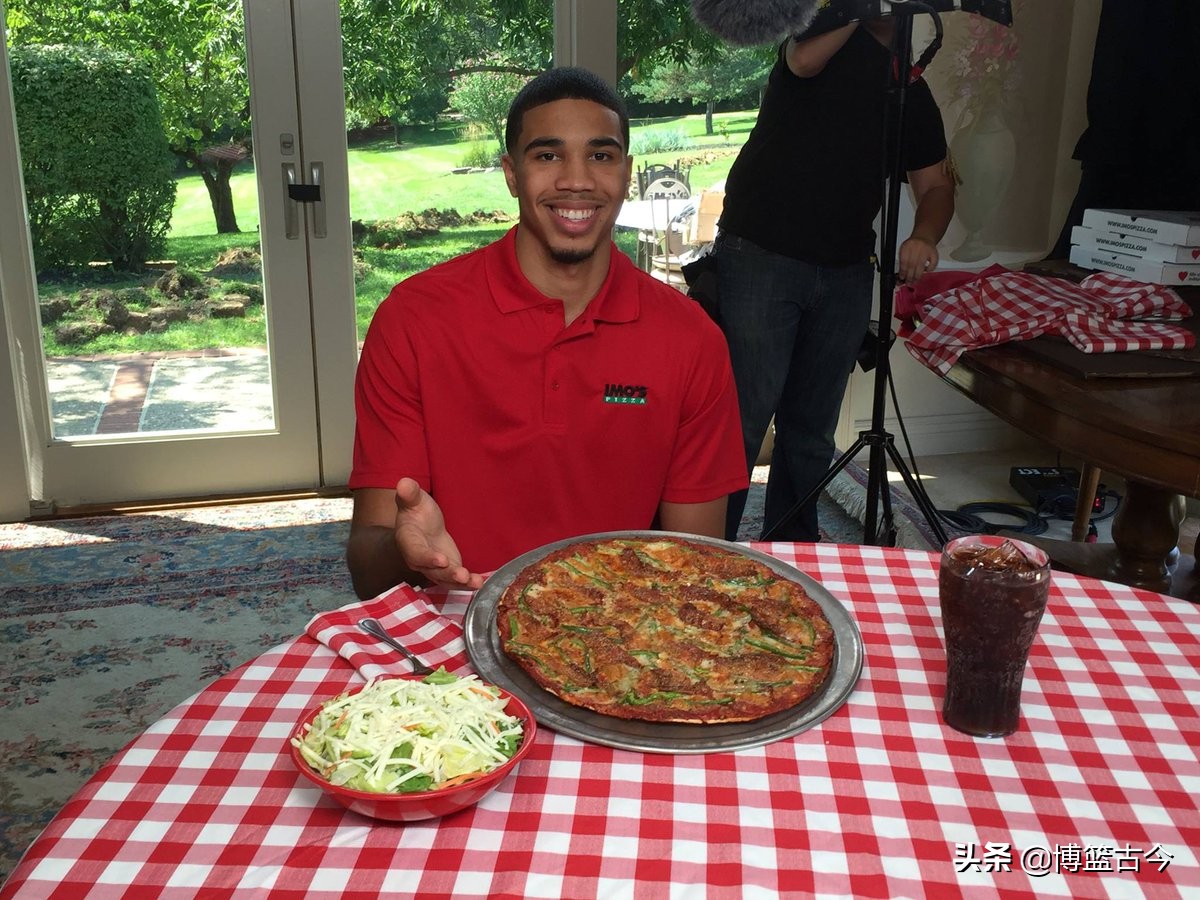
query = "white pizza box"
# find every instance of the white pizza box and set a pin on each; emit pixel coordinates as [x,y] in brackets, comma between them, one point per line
[1152,271]
[1161,226]
[1133,245]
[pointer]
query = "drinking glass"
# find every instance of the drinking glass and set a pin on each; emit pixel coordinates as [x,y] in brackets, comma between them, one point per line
[993,592]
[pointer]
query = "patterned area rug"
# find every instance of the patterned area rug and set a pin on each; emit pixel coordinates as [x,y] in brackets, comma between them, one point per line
[840,511]
[106,623]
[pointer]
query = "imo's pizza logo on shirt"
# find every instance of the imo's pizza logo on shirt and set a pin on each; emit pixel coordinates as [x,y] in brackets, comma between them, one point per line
[626,393]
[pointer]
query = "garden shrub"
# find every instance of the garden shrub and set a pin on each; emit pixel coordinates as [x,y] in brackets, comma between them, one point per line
[479,156]
[97,167]
[659,140]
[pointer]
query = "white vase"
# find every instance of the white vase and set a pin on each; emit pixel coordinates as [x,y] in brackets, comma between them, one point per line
[985,154]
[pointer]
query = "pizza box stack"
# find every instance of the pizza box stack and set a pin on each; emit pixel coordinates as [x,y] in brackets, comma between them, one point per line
[1157,246]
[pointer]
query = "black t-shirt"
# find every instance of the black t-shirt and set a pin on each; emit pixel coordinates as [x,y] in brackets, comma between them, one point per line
[809,181]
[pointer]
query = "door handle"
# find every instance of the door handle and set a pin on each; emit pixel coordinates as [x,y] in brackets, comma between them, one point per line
[296,193]
[291,211]
[316,178]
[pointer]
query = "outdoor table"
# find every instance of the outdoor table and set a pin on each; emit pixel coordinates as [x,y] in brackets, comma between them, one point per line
[654,214]
[1094,796]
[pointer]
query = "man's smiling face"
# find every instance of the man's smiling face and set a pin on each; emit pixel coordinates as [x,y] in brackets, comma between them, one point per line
[569,171]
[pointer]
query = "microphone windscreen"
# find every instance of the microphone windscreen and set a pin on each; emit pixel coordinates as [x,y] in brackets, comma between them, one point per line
[751,22]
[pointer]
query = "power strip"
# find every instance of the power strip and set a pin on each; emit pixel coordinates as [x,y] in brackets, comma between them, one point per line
[1046,486]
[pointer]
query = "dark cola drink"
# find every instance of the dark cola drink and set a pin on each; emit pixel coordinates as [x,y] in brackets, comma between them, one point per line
[993,592]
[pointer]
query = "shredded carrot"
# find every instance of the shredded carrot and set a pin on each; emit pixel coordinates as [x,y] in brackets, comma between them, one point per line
[459,779]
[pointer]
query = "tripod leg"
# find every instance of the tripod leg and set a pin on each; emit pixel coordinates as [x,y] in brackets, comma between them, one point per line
[887,524]
[917,490]
[840,463]
[876,486]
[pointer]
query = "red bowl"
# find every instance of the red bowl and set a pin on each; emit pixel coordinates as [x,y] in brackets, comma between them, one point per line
[430,804]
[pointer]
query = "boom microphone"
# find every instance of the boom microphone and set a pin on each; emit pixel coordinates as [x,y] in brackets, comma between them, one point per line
[752,22]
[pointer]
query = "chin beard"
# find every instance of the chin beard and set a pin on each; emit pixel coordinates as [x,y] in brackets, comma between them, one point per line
[570,257]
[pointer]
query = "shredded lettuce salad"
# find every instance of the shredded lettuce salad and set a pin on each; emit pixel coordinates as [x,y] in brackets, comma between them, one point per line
[400,735]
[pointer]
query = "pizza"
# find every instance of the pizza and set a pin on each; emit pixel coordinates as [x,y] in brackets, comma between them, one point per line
[665,630]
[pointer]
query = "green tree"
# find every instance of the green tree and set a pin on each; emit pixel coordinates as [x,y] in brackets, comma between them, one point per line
[401,57]
[195,50]
[401,54]
[727,74]
[484,97]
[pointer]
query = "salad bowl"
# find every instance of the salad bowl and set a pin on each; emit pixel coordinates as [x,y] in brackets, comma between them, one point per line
[405,804]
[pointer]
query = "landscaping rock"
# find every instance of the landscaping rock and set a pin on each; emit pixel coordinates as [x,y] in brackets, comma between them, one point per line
[391,234]
[54,308]
[238,261]
[180,284]
[252,291]
[111,308]
[79,332]
[116,314]
[233,306]
[168,314]
[138,322]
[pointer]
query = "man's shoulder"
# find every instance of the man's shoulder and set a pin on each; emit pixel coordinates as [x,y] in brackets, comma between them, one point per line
[669,309]
[443,281]
[667,300]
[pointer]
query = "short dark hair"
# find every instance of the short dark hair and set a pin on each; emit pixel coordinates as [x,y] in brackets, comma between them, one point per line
[563,83]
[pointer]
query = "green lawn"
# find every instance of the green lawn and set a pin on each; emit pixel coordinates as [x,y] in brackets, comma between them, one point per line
[386,180]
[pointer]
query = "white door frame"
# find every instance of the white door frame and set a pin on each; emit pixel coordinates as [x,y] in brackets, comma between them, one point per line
[311,379]
[18,482]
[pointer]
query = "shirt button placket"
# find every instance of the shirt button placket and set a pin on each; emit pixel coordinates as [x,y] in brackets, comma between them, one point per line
[553,394]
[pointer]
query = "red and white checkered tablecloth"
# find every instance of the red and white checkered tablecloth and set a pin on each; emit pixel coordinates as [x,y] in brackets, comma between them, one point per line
[1104,313]
[1094,796]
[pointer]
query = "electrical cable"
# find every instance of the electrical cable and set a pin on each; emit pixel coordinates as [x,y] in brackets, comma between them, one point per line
[967,523]
[968,514]
[967,519]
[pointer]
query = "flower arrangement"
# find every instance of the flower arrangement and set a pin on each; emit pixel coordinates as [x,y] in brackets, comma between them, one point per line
[986,68]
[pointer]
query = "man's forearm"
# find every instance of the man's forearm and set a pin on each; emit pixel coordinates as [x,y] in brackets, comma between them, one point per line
[933,213]
[808,56]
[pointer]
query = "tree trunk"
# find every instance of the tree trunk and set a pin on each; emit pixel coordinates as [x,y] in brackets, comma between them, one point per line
[216,175]
[709,108]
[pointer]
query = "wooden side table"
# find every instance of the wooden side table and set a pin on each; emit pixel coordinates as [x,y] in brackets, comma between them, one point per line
[1145,429]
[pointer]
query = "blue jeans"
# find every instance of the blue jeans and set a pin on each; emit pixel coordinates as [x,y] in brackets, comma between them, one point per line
[794,330]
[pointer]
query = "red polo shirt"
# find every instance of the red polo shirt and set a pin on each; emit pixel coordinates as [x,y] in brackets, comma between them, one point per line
[526,431]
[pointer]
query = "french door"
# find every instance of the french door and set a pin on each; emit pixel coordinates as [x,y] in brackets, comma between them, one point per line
[278,415]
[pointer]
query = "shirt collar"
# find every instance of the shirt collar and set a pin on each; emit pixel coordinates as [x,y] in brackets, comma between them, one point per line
[618,299]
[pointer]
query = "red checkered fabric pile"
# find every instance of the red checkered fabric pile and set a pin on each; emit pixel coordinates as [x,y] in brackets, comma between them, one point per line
[1104,313]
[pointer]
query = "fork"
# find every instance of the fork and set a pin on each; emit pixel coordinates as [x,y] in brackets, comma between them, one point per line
[376,630]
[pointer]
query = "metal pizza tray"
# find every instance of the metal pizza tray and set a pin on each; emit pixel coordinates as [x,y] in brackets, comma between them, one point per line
[492,664]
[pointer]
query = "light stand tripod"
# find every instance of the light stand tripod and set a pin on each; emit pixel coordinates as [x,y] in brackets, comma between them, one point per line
[881,443]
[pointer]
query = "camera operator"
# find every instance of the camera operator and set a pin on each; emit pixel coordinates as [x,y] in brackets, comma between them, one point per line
[795,249]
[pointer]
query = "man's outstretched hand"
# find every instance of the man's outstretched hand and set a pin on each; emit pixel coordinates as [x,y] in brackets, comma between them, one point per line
[423,541]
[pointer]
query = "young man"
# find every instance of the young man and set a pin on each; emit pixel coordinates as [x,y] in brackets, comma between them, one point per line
[541,387]
[794,256]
